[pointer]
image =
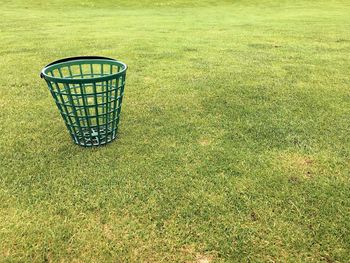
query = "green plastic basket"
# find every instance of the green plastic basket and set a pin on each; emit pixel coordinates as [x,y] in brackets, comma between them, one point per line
[88,92]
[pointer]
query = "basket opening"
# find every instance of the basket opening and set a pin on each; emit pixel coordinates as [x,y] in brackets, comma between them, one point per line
[84,70]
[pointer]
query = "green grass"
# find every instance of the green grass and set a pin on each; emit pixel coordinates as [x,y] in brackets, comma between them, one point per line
[234,138]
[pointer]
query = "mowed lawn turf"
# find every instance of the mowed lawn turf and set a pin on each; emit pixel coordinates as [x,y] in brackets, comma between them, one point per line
[233,144]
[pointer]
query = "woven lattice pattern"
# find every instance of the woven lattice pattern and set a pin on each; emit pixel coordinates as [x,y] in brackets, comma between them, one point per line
[89,95]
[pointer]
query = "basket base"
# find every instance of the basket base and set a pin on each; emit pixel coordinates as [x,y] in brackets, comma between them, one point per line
[94,137]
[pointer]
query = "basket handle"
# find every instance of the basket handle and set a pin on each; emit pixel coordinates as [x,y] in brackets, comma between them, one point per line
[74,58]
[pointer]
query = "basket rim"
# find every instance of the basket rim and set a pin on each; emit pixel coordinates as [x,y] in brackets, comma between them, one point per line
[61,62]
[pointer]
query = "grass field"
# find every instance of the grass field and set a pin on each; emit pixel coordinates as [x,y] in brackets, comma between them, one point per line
[234,139]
